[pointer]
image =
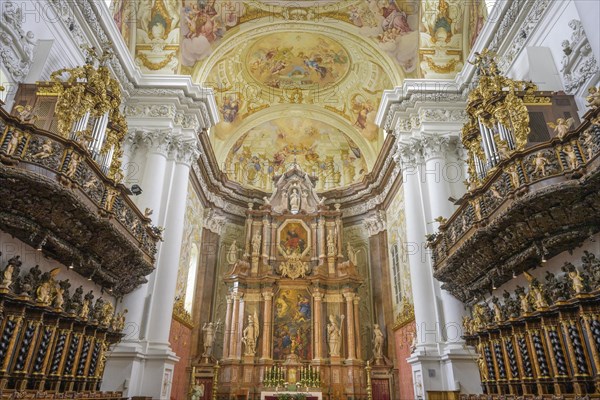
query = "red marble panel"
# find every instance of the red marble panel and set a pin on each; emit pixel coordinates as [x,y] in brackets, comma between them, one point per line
[180,338]
[404,338]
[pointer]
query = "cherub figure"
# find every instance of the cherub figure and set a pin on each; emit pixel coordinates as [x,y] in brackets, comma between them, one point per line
[25,113]
[561,127]
[571,156]
[72,168]
[588,142]
[513,173]
[539,162]
[46,151]
[593,100]
[13,144]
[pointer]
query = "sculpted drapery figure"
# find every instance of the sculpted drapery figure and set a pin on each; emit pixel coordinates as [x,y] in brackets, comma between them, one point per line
[334,336]
[377,342]
[209,338]
[232,254]
[294,201]
[256,243]
[331,249]
[250,335]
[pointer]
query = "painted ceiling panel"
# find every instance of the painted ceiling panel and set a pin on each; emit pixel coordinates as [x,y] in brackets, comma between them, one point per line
[328,61]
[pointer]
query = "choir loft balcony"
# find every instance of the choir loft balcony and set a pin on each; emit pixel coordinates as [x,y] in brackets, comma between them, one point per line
[528,200]
[60,189]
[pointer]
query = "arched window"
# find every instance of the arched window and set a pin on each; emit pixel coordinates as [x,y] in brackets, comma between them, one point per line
[191,279]
[396,274]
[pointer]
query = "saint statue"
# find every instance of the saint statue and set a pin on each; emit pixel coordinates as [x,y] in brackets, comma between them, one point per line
[232,254]
[377,342]
[256,243]
[331,249]
[209,338]
[250,335]
[334,337]
[10,272]
[294,201]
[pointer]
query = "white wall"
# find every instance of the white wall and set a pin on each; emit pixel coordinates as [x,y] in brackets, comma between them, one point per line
[545,45]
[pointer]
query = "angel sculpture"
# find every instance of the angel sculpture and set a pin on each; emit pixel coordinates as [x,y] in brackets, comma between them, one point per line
[25,113]
[593,100]
[45,151]
[540,164]
[561,127]
[14,142]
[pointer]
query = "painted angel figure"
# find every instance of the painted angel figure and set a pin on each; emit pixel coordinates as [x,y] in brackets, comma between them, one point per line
[561,127]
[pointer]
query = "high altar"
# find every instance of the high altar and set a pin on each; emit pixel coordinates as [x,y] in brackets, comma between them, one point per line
[292,304]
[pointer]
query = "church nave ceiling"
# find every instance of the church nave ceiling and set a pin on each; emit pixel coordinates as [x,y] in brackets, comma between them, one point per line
[326,60]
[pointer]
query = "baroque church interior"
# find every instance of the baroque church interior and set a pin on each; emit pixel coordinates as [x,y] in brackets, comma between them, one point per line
[320,199]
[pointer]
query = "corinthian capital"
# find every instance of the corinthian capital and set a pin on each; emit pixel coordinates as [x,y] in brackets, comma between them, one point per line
[157,141]
[409,153]
[435,146]
[185,151]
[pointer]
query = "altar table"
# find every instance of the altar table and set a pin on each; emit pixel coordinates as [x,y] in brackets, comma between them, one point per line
[273,395]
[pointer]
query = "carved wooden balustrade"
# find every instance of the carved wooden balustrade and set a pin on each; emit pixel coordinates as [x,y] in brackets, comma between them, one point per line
[531,195]
[544,340]
[51,340]
[57,195]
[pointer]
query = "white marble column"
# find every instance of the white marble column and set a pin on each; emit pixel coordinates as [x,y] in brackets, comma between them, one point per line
[164,294]
[153,183]
[435,151]
[420,269]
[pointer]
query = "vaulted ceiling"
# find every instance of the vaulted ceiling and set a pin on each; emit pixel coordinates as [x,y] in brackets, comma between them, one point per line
[299,81]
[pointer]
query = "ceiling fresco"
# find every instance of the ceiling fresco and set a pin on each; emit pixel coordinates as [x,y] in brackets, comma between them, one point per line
[330,60]
[299,60]
[269,149]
